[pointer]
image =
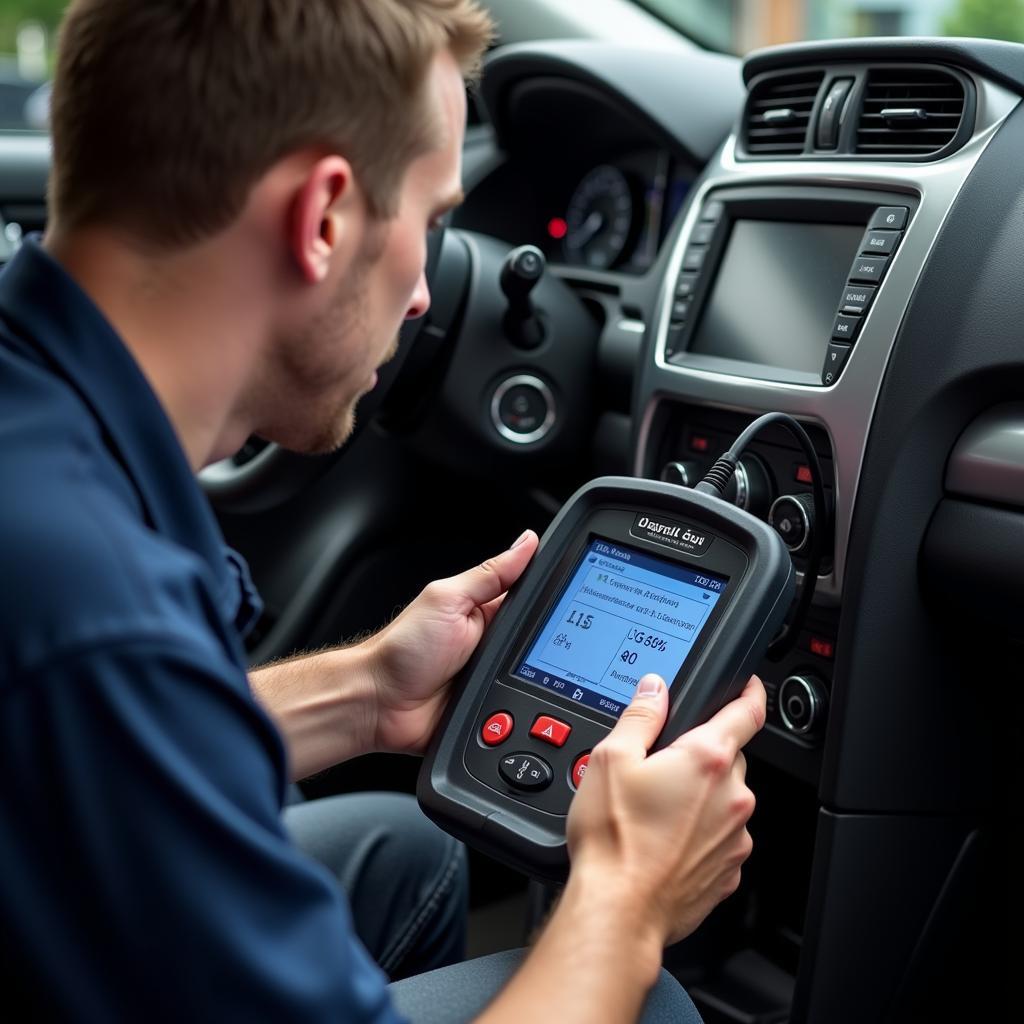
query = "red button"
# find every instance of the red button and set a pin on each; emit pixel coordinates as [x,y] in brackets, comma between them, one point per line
[579,769]
[699,443]
[497,728]
[821,647]
[551,730]
[803,475]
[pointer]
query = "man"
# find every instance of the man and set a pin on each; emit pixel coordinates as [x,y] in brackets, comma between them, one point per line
[240,195]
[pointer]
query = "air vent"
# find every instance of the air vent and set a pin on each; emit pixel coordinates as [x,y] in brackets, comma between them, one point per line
[778,114]
[911,112]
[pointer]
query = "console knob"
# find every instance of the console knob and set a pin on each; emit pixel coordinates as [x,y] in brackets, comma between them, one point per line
[792,515]
[685,474]
[802,705]
[751,486]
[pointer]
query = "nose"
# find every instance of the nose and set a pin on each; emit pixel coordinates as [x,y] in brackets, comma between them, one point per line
[420,301]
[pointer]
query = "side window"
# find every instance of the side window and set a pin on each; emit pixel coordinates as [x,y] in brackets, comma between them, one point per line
[28,35]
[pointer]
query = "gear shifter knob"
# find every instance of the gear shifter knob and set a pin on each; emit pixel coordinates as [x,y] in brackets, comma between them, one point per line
[522,269]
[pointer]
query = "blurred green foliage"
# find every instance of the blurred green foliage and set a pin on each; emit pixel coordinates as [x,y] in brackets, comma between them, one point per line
[993,19]
[14,12]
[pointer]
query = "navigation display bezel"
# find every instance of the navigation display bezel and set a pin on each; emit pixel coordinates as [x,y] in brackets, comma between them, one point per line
[781,204]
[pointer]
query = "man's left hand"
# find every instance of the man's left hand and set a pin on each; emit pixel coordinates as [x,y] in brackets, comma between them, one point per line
[415,657]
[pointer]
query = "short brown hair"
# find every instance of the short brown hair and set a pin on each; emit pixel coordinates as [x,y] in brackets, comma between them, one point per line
[165,113]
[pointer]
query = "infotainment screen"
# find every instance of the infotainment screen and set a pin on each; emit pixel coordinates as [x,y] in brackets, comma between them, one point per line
[622,614]
[774,298]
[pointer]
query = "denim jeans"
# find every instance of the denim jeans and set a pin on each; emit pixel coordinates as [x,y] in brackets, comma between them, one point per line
[406,880]
[407,886]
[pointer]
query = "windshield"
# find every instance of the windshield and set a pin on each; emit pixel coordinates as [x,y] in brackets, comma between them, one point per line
[28,32]
[739,26]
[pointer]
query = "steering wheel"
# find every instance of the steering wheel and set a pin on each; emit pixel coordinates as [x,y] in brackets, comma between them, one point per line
[452,371]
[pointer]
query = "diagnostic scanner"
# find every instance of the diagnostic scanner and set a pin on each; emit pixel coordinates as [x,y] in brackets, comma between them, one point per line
[633,576]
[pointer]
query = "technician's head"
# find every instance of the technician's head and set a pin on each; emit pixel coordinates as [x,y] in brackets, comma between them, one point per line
[324,135]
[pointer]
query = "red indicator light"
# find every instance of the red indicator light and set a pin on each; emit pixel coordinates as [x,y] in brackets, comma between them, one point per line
[557,228]
[803,475]
[699,444]
[822,648]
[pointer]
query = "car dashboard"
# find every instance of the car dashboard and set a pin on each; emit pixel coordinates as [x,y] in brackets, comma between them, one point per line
[827,259]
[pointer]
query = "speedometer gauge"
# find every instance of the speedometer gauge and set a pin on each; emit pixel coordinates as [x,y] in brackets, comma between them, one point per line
[599,219]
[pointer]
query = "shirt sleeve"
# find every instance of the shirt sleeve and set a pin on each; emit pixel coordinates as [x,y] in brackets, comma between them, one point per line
[146,872]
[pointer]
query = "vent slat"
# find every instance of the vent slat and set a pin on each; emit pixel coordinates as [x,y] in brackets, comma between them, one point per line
[794,93]
[938,94]
[770,104]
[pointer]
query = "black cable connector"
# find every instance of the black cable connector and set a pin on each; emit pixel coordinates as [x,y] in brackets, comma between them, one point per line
[716,481]
[718,476]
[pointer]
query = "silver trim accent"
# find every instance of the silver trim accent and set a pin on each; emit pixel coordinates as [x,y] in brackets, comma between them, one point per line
[631,326]
[680,468]
[845,409]
[523,380]
[987,463]
[742,478]
[803,515]
[812,699]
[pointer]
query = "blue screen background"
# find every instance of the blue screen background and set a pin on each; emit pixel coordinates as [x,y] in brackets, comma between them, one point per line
[622,614]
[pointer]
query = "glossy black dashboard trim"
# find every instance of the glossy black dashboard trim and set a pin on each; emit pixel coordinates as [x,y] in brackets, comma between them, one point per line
[647,82]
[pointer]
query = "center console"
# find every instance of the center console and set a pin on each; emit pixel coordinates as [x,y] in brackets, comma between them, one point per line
[784,288]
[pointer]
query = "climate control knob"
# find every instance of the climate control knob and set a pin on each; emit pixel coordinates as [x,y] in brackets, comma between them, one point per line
[792,516]
[685,474]
[802,705]
[750,487]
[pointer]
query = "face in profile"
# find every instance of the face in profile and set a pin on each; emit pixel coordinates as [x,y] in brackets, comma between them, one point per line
[327,365]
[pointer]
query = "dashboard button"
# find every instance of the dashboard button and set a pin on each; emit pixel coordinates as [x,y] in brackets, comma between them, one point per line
[523,409]
[694,258]
[679,310]
[712,210]
[846,328]
[497,728]
[835,360]
[685,285]
[551,730]
[868,268]
[527,772]
[880,242]
[702,233]
[792,517]
[802,702]
[856,299]
[893,218]
[579,769]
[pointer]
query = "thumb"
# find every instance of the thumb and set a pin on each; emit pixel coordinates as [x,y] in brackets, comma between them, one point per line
[644,719]
[483,583]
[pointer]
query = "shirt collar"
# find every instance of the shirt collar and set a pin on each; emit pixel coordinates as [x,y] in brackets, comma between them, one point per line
[46,308]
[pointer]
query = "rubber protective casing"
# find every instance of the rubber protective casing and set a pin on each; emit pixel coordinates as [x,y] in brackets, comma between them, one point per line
[756,605]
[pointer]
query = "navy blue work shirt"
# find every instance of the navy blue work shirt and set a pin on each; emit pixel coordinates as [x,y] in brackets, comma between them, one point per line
[144,870]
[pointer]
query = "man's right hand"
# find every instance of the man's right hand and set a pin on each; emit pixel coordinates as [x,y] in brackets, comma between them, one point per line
[670,827]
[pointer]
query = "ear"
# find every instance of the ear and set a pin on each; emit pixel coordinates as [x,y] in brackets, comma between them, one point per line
[322,216]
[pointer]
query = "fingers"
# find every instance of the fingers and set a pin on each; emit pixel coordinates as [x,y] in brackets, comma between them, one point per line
[483,583]
[644,719]
[739,721]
